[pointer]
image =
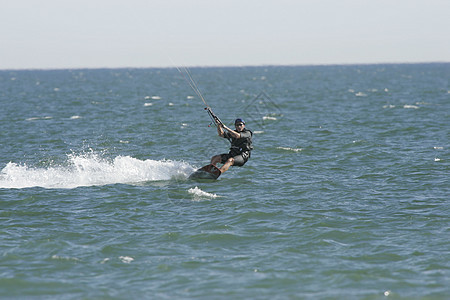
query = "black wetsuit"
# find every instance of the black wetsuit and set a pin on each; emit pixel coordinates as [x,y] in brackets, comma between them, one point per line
[240,147]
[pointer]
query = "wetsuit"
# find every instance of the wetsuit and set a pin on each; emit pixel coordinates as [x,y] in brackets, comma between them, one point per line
[240,148]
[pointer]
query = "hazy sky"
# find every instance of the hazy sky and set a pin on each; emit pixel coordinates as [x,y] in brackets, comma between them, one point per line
[155,33]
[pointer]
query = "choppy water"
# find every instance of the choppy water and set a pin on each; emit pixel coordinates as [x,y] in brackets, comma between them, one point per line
[346,195]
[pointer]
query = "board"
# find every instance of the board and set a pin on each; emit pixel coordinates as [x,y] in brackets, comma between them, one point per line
[206,172]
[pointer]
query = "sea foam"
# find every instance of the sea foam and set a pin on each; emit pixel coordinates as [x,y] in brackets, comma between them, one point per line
[199,195]
[290,149]
[91,169]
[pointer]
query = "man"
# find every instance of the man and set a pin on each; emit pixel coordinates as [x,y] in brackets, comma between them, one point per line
[241,145]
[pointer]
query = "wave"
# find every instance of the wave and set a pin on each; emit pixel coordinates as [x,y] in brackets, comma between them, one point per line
[92,170]
[198,194]
[39,118]
[290,149]
[410,106]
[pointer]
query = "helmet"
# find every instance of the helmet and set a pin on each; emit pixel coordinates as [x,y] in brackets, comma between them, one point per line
[239,120]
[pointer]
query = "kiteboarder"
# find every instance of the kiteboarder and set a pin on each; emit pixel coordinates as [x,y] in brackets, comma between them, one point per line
[241,145]
[240,139]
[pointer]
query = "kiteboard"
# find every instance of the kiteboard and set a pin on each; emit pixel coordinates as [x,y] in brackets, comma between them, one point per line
[206,172]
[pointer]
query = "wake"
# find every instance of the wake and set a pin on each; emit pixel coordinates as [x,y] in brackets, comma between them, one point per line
[92,170]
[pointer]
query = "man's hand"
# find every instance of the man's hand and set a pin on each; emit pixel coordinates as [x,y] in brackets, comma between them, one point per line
[218,122]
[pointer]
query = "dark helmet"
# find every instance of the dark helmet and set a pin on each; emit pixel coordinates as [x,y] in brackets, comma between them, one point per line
[239,120]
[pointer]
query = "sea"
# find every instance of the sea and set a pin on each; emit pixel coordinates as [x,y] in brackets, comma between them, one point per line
[346,194]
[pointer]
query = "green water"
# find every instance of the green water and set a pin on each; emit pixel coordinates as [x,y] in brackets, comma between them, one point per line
[346,195]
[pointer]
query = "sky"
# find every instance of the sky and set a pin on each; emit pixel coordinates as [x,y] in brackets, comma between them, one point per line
[56,34]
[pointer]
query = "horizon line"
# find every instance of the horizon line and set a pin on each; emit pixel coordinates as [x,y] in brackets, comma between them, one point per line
[224,66]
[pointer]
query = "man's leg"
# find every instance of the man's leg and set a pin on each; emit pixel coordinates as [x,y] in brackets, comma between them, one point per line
[227,164]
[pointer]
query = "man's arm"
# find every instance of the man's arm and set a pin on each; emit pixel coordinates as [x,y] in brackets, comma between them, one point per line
[220,130]
[233,133]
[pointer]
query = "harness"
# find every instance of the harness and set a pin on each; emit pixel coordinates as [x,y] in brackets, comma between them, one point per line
[241,145]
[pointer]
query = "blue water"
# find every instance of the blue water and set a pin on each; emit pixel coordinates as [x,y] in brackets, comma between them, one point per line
[346,195]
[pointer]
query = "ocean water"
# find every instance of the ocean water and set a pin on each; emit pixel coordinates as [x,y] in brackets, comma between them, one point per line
[346,195]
